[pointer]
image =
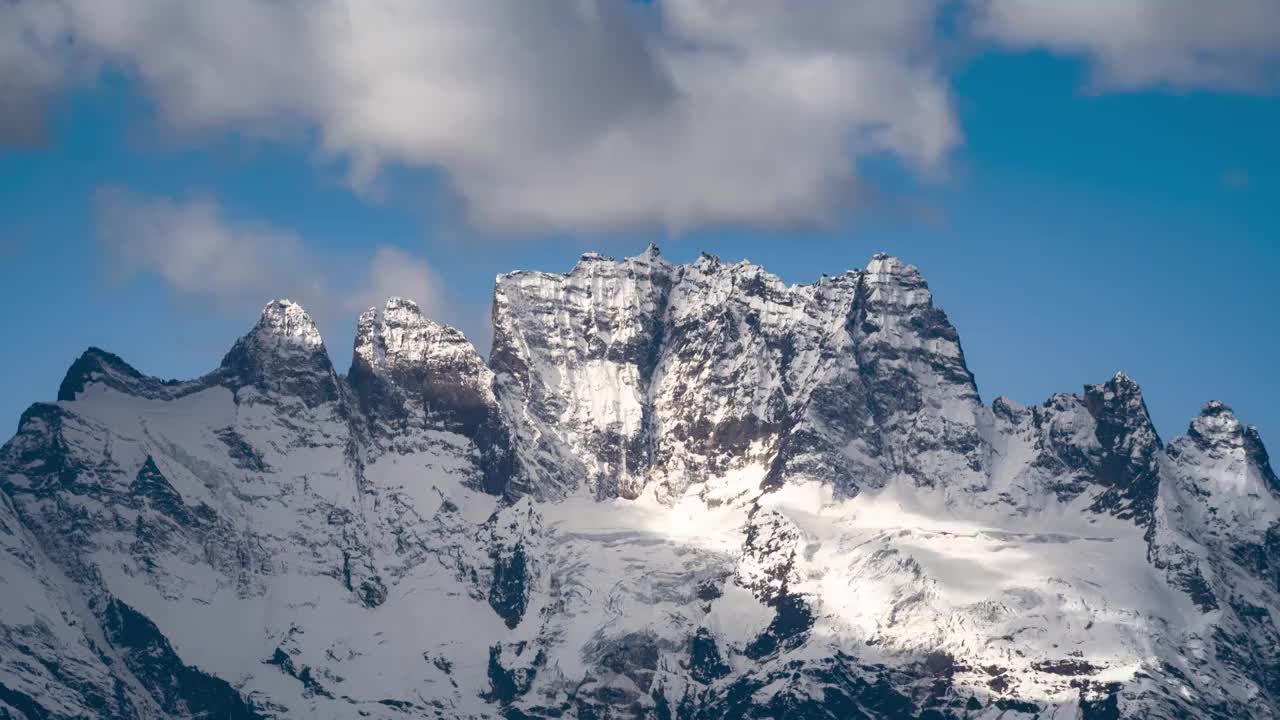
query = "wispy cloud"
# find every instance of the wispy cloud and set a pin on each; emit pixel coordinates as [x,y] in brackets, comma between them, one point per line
[197,250]
[1134,44]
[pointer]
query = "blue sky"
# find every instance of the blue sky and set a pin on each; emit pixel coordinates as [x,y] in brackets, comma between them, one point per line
[1078,210]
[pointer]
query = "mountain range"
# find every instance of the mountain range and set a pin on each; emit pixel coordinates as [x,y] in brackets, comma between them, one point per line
[678,492]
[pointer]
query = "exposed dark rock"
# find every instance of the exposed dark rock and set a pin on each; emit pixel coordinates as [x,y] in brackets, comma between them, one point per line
[99,366]
[283,354]
[245,455]
[153,488]
[508,594]
[1129,445]
[705,663]
[509,683]
[177,688]
[303,675]
[408,371]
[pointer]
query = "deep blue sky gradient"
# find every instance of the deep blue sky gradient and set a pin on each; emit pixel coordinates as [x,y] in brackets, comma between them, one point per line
[1072,236]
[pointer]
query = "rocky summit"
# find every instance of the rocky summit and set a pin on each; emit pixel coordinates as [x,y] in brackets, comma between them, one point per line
[678,492]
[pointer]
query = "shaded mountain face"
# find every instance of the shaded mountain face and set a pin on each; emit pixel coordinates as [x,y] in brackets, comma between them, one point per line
[673,491]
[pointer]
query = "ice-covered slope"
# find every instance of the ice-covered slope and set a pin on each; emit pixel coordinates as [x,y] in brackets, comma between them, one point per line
[674,491]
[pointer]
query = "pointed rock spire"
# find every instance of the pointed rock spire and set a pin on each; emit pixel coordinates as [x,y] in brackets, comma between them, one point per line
[924,399]
[890,280]
[400,336]
[1218,433]
[283,354]
[1118,402]
[1217,425]
[150,486]
[408,370]
[286,322]
[649,258]
[1129,445]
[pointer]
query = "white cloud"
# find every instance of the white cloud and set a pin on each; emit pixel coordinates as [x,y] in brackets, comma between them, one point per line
[395,273]
[1134,44]
[575,114]
[197,250]
[607,114]
[34,62]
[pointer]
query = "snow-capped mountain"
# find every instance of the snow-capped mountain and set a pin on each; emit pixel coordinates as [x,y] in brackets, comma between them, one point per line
[673,491]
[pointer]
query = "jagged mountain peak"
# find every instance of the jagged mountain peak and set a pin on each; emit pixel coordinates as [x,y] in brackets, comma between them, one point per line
[883,261]
[890,280]
[650,261]
[286,322]
[1217,424]
[283,354]
[885,264]
[410,374]
[674,491]
[1218,434]
[96,365]
[606,361]
[399,334]
[1122,377]
[1120,400]
[595,262]
[1129,444]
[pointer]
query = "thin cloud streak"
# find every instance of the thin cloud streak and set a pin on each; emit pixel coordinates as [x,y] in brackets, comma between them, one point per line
[197,251]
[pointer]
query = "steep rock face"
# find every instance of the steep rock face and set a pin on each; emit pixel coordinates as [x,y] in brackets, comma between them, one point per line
[636,372]
[49,662]
[674,492]
[412,374]
[921,393]
[743,354]
[1099,446]
[1216,533]
[1129,444]
[284,356]
[574,357]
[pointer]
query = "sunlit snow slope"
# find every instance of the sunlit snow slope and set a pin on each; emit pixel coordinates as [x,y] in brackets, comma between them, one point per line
[673,491]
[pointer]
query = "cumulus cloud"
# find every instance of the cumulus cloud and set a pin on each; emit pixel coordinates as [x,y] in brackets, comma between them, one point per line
[195,249]
[1133,44]
[606,114]
[583,114]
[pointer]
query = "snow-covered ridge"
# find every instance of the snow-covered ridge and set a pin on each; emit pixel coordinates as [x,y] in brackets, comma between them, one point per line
[672,491]
[634,373]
